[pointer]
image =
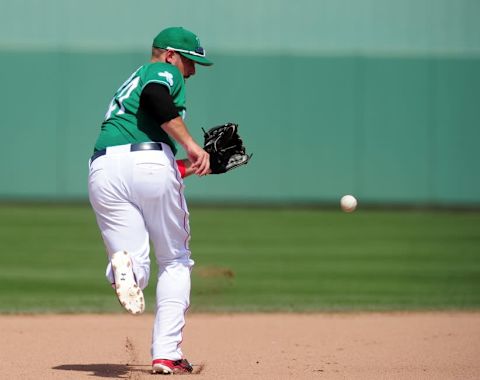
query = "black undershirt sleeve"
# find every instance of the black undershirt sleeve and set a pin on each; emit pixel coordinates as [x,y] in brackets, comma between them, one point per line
[158,103]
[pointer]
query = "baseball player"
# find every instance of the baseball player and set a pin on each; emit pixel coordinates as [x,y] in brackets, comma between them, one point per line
[136,189]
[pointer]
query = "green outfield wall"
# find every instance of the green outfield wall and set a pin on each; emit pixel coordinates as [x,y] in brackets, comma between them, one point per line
[376,98]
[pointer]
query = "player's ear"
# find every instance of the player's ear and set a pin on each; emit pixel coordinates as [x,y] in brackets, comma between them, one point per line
[169,56]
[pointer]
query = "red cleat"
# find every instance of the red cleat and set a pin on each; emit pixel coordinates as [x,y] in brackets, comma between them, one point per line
[168,367]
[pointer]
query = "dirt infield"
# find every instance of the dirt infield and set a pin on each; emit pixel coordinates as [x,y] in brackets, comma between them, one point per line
[248,346]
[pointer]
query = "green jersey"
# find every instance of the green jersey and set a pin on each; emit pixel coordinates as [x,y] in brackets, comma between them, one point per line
[125,124]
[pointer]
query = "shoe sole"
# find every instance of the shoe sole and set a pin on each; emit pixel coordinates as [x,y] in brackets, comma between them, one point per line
[161,369]
[129,294]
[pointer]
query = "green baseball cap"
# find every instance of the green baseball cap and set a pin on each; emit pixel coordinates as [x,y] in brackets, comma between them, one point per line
[182,41]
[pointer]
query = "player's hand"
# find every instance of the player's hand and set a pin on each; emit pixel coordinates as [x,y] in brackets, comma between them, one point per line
[199,158]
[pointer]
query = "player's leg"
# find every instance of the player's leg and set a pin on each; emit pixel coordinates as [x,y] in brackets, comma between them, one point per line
[173,300]
[173,287]
[166,216]
[123,230]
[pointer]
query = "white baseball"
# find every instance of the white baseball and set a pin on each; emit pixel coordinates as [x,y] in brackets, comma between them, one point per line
[348,203]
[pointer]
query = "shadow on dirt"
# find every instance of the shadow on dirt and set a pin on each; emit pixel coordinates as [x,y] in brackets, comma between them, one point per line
[115,371]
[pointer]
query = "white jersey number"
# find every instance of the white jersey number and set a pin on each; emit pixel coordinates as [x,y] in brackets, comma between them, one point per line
[123,93]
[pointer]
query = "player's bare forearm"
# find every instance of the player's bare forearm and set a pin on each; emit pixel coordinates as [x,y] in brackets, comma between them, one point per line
[177,129]
[198,158]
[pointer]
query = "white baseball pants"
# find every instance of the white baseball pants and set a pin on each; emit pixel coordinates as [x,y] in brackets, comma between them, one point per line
[138,197]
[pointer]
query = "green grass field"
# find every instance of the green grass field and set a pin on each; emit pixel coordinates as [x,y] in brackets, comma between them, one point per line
[52,260]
